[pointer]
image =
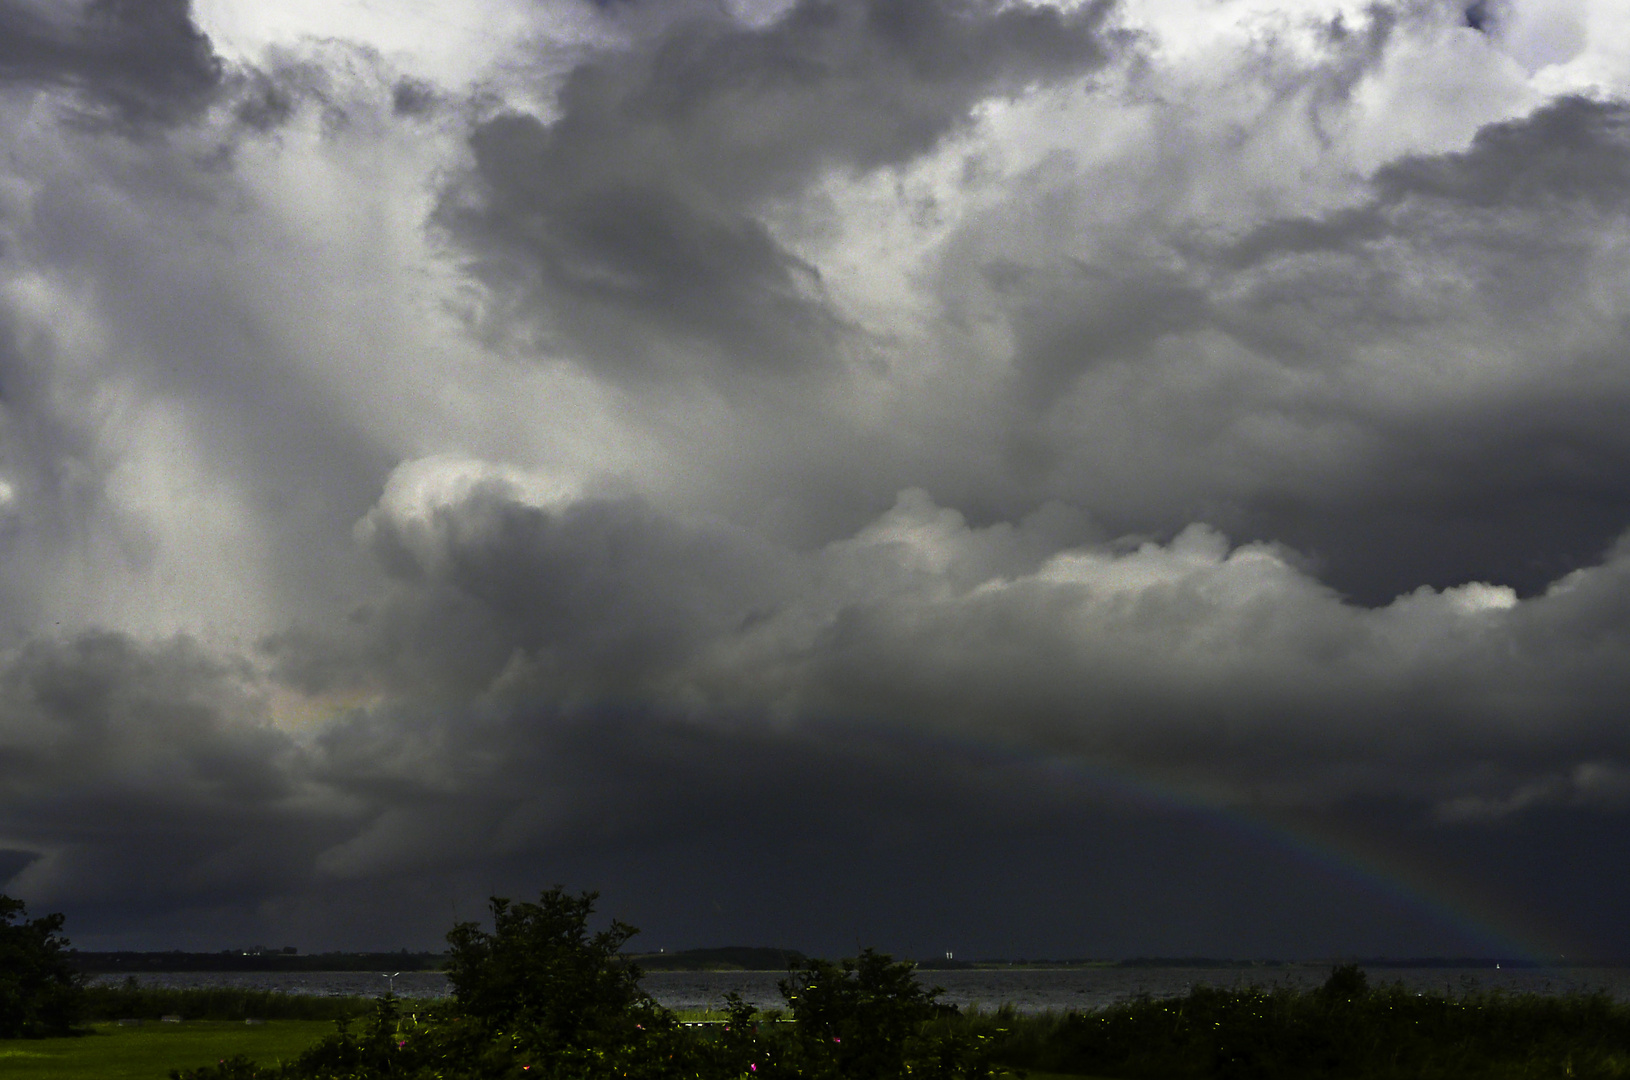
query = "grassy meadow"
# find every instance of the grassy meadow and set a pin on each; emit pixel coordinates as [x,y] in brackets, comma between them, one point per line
[213,1028]
[149,1052]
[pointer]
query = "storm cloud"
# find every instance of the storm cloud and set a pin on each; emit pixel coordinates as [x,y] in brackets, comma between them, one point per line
[949,474]
[137,61]
[625,227]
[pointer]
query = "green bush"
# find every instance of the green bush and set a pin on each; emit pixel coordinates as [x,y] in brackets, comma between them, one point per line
[869,1019]
[1342,1031]
[40,993]
[541,972]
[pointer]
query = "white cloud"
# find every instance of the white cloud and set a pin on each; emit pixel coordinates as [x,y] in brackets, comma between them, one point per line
[458,45]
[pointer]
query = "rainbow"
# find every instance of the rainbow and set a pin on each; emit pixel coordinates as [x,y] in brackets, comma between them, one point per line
[1495,930]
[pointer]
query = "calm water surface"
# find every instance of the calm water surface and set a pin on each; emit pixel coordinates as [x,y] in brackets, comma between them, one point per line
[1027,990]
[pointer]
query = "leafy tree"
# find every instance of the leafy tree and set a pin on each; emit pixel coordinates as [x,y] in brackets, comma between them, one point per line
[869,1019]
[40,993]
[541,971]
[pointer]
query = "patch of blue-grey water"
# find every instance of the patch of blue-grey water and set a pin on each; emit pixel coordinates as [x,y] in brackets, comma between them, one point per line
[1026,989]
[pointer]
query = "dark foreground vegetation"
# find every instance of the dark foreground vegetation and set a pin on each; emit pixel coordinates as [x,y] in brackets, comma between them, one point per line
[541,996]
[1346,1029]
[40,993]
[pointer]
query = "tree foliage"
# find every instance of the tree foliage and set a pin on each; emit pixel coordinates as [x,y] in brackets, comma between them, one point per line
[541,970]
[869,1019]
[40,993]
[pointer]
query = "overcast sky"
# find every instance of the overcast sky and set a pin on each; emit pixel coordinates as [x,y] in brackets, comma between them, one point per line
[1132,477]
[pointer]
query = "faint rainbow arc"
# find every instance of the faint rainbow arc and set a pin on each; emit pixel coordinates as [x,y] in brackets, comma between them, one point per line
[1533,945]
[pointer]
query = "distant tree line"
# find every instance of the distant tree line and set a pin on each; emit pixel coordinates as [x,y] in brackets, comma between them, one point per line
[728,958]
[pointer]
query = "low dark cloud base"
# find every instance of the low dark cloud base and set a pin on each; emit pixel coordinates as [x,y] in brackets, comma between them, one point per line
[627,694]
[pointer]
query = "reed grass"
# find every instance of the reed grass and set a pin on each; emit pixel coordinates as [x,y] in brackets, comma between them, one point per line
[1267,1034]
[133,1001]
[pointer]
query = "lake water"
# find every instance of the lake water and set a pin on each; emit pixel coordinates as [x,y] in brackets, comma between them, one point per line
[1028,990]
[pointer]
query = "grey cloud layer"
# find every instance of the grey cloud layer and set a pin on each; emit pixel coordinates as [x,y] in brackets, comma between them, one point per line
[546,681]
[143,773]
[1423,385]
[1189,659]
[864,421]
[143,60]
[625,227]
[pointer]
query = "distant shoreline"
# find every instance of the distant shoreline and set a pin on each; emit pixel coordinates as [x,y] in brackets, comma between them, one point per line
[136,963]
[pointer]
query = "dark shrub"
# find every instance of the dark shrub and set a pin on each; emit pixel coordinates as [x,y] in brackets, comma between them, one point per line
[869,1019]
[541,971]
[40,994]
[1346,983]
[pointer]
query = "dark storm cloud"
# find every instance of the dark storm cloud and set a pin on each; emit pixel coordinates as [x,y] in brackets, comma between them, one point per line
[1224,666]
[1527,479]
[1572,154]
[1445,348]
[1569,158]
[606,595]
[626,227]
[141,60]
[616,692]
[1480,16]
[609,587]
[583,686]
[604,628]
[145,774]
[412,97]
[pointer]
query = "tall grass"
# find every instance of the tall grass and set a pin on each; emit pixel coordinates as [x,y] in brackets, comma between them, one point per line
[1266,1034]
[134,1001]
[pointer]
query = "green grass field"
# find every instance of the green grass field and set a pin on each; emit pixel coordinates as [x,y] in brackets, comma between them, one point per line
[150,1051]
